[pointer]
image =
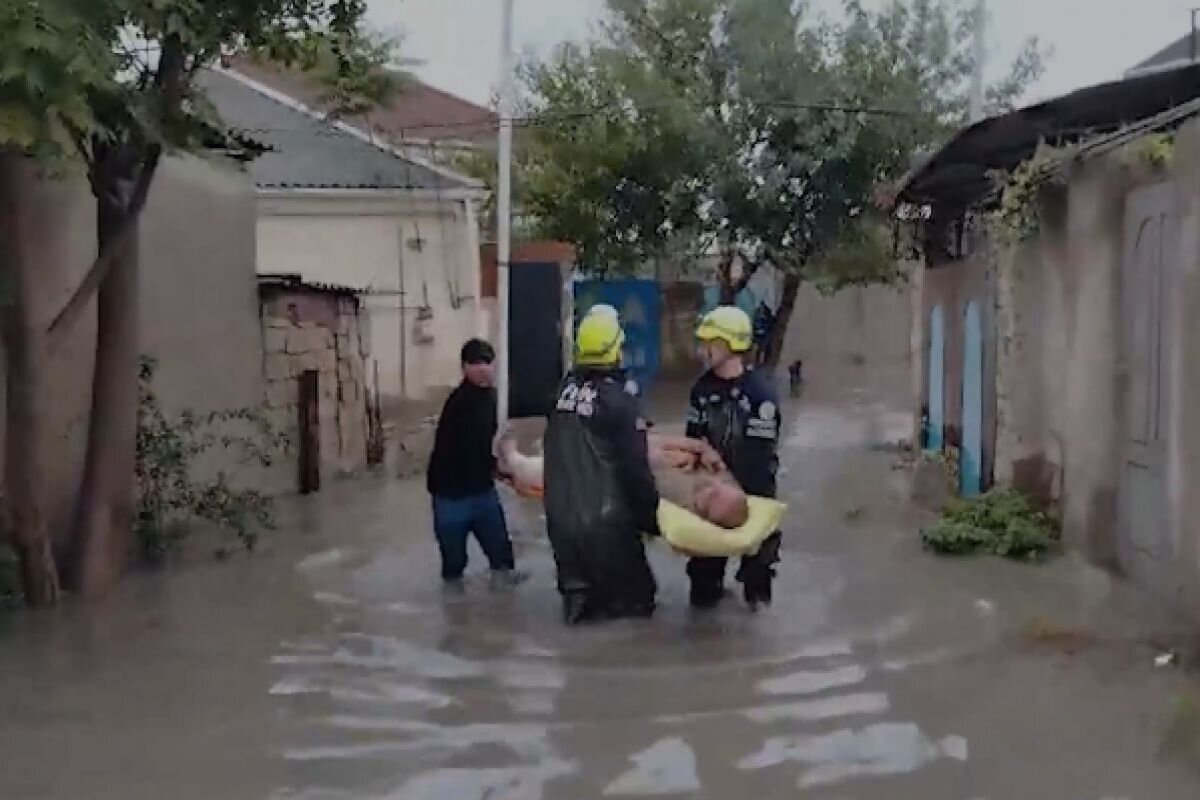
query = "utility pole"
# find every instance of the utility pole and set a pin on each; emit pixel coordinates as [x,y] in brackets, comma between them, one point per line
[976,108]
[504,209]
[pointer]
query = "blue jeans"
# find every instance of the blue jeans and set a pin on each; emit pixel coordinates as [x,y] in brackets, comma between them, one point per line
[454,519]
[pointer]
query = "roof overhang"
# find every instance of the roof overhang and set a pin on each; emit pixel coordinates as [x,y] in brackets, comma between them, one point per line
[959,174]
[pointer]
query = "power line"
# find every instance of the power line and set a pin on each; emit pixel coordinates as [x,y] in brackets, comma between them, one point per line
[490,124]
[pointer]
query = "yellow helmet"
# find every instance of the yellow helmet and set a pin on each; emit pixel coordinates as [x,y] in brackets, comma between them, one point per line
[599,341]
[728,324]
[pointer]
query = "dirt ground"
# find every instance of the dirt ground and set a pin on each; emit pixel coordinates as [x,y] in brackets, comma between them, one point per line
[331,666]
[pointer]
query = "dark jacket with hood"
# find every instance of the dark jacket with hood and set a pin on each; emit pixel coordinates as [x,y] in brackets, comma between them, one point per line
[599,491]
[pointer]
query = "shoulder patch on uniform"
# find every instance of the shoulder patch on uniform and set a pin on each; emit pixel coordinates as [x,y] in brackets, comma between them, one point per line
[767,410]
[641,424]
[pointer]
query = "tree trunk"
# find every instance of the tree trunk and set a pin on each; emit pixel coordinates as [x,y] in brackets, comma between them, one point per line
[727,294]
[104,517]
[783,318]
[26,400]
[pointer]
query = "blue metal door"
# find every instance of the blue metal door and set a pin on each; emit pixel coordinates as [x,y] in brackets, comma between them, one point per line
[937,380]
[639,302]
[971,455]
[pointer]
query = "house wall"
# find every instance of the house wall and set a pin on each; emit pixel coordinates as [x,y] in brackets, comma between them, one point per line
[199,315]
[1184,458]
[954,286]
[1034,309]
[422,300]
[1062,374]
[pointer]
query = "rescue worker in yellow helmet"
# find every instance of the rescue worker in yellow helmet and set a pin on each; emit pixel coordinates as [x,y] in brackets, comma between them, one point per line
[604,309]
[600,494]
[736,410]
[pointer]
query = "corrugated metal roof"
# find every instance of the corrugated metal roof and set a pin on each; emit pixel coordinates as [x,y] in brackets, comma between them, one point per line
[307,152]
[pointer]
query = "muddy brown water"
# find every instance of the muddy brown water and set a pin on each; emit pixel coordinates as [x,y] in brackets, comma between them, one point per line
[332,667]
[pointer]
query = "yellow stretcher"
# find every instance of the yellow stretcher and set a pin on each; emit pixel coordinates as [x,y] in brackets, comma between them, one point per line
[690,535]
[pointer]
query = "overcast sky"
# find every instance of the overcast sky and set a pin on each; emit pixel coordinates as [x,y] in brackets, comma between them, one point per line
[457,41]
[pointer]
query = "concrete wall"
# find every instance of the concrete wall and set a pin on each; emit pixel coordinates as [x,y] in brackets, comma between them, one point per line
[1184,457]
[199,313]
[858,325]
[1062,369]
[681,312]
[417,260]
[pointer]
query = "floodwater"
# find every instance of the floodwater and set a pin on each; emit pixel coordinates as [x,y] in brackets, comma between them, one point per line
[332,667]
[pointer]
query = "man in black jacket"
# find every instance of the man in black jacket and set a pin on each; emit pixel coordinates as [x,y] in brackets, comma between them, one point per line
[461,475]
[600,494]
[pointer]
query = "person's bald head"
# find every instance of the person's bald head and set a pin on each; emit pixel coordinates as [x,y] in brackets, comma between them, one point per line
[722,504]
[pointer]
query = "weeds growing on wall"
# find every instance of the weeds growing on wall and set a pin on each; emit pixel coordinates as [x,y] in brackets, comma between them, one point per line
[1155,150]
[1017,215]
[172,501]
[1002,522]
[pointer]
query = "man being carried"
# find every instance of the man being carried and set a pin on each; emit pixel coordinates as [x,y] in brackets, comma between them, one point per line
[688,472]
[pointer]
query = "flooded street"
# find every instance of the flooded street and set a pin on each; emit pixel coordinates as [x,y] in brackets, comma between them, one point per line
[332,667]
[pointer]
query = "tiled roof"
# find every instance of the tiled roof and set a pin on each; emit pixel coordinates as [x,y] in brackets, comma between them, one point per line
[417,111]
[307,151]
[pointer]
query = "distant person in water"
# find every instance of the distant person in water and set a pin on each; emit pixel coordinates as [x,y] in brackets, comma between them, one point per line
[461,477]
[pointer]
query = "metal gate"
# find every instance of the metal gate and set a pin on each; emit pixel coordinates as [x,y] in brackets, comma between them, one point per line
[534,338]
[937,380]
[1147,273]
[971,454]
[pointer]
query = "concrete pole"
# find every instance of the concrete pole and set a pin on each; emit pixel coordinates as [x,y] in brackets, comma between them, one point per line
[504,209]
[980,49]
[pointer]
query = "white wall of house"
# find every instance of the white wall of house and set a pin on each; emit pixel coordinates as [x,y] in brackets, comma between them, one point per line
[414,256]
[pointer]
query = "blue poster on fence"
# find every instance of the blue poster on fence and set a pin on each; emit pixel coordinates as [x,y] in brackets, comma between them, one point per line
[639,302]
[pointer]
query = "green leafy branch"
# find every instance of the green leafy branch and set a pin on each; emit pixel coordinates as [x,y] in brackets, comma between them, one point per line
[1016,218]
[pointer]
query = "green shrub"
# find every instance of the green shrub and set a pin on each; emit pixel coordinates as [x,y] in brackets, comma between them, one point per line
[171,499]
[1002,522]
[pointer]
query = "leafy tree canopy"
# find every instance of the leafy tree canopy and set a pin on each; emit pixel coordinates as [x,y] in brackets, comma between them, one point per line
[756,125]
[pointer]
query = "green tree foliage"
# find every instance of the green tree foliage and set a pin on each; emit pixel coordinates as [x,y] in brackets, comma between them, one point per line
[754,123]
[53,59]
[112,83]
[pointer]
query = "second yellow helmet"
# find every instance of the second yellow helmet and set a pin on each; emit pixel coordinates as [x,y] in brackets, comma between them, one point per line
[728,324]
